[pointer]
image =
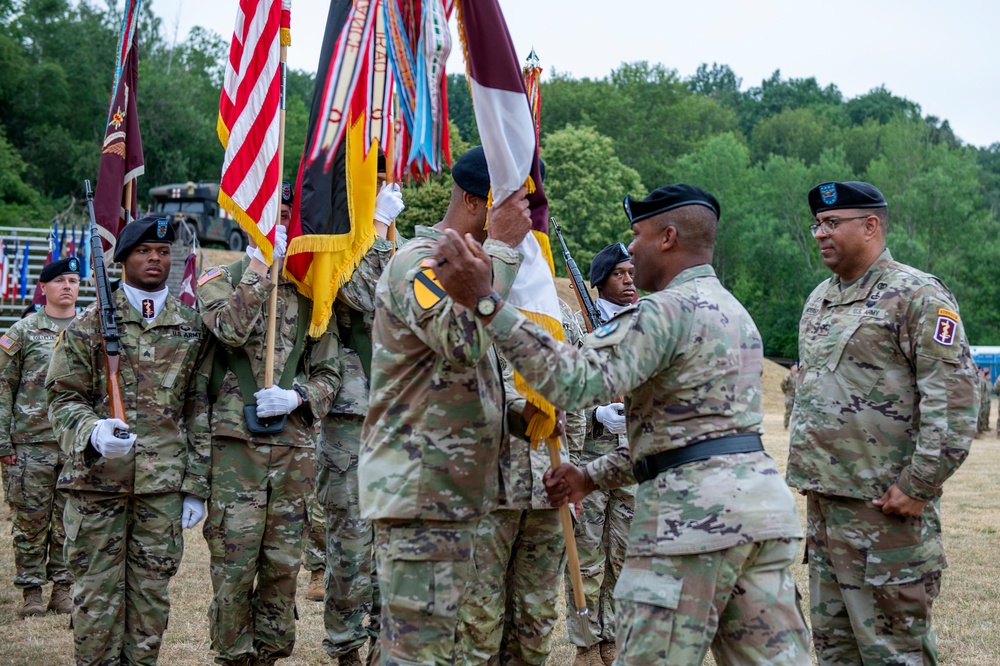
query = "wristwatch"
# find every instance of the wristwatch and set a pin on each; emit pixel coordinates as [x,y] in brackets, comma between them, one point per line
[487,305]
[302,394]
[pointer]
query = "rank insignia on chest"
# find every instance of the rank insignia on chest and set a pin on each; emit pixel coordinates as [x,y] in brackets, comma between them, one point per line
[944,332]
[7,342]
[426,289]
[606,330]
[148,312]
[211,274]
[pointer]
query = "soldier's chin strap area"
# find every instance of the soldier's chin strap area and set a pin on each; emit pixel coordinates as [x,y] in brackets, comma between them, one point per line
[236,360]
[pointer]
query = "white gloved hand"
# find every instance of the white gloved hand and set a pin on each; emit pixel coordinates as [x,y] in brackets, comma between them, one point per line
[275,401]
[193,511]
[280,241]
[107,443]
[389,203]
[612,417]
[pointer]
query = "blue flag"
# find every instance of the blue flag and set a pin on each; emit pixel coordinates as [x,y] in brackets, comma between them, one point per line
[24,271]
[56,245]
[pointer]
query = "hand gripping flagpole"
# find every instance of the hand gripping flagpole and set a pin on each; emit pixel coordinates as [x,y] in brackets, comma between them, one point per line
[272,303]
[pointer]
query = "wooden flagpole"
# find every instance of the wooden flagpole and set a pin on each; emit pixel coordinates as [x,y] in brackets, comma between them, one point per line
[272,304]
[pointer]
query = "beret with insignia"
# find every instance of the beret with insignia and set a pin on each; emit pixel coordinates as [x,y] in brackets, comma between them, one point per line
[667,198]
[287,194]
[148,229]
[471,173]
[852,194]
[605,261]
[61,267]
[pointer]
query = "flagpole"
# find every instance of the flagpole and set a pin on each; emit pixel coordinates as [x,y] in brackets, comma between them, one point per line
[128,201]
[272,304]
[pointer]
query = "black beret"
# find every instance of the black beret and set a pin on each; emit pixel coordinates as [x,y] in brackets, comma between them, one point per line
[61,267]
[287,194]
[852,194]
[471,173]
[667,198]
[149,229]
[605,261]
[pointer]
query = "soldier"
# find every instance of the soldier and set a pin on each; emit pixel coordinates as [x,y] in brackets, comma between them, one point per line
[602,530]
[129,497]
[884,414]
[985,388]
[788,388]
[715,530]
[427,469]
[28,446]
[520,552]
[265,473]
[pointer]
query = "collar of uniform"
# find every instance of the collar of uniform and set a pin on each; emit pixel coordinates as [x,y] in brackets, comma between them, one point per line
[44,322]
[427,232]
[688,274]
[170,316]
[861,288]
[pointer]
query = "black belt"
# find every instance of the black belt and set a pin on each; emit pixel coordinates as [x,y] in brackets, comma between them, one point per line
[650,467]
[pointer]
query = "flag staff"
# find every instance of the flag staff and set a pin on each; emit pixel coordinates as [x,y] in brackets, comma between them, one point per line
[272,303]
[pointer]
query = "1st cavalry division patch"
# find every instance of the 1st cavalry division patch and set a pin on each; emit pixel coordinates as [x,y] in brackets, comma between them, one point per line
[426,289]
[944,332]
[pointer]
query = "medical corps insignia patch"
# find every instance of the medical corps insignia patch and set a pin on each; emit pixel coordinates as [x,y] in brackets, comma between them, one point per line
[944,332]
[828,193]
[426,289]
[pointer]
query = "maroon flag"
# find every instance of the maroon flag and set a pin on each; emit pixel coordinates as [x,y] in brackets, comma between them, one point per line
[121,152]
[189,280]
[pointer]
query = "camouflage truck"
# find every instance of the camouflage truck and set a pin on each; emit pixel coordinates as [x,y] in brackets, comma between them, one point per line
[196,209]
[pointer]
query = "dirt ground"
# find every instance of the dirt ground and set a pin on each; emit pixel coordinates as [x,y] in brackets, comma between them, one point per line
[967,614]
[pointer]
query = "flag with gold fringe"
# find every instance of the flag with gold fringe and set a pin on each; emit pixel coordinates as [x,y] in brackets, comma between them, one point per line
[503,116]
[332,223]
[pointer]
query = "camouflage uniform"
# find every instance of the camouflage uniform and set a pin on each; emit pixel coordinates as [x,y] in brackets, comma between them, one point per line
[429,456]
[351,582]
[788,388]
[996,390]
[520,552]
[712,541]
[314,537]
[25,430]
[123,516]
[983,422]
[887,395]
[263,484]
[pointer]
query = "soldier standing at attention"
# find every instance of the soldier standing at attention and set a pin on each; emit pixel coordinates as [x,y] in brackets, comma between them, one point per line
[130,497]
[602,531]
[28,445]
[715,530]
[788,388]
[985,389]
[263,476]
[428,468]
[884,414]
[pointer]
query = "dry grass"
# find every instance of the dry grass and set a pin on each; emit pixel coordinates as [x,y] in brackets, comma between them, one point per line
[967,614]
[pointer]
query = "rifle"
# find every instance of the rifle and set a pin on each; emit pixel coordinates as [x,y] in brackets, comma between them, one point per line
[110,336]
[591,317]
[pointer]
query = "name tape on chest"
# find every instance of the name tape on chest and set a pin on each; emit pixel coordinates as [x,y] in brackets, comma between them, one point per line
[427,289]
[211,274]
[944,331]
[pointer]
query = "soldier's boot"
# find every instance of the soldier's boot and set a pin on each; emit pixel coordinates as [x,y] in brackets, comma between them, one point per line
[588,657]
[32,602]
[608,652]
[61,600]
[352,658]
[316,590]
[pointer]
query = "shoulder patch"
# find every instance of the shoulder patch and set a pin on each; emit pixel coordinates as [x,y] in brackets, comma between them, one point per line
[426,289]
[606,330]
[210,274]
[944,331]
[9,344]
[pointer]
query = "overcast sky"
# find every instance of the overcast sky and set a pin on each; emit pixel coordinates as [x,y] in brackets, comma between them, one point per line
[944,56]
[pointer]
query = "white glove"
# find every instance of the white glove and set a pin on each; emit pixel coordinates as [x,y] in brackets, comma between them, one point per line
[280,241]
[107,444]
[255,253]
[275,401]
[612,417]
[193,511]
[389,203]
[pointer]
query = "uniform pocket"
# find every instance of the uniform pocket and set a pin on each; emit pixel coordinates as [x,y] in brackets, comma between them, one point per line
[72,519]
[862,354]
[646,602]
[15,480]
[429,570]
[907,564]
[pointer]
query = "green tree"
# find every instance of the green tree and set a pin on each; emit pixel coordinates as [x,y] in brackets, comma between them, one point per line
[801,133]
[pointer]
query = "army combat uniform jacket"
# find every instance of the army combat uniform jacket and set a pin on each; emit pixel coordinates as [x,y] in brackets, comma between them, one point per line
[163,375]
[688,359]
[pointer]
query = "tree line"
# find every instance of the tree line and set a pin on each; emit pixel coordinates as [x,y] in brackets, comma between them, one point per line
[759,150]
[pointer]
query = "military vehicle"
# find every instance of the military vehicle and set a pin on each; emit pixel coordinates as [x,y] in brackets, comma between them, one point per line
[196,209]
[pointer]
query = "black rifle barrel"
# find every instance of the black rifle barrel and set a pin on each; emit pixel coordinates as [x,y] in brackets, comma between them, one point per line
[586,302]
[106,306]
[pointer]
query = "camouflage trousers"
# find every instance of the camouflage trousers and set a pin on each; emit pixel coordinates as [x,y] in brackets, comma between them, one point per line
[872,581]
[260,497]
[507,617]
[123,550]
[789,405]
[314,537]
[351,582]
[983,421]
[37,522]
[601,539]
[424,570]
[739,602]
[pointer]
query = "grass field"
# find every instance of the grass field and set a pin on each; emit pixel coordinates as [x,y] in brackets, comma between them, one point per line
[967,614]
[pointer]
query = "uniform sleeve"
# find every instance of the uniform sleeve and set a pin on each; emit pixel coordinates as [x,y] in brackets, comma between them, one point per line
[613,469]
[231,313]
[620,356]
[323,364]
[447,328]
[197,475]
[10,380]
[359,291]
[73,386]
[934,341]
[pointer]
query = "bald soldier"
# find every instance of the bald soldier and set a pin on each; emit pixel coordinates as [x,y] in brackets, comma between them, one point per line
[884,413]
[428,467]
[715,530]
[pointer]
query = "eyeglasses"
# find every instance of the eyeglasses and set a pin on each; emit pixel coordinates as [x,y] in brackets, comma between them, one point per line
[828,226]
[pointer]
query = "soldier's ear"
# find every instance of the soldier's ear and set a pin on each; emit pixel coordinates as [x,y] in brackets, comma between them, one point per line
[668,238]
